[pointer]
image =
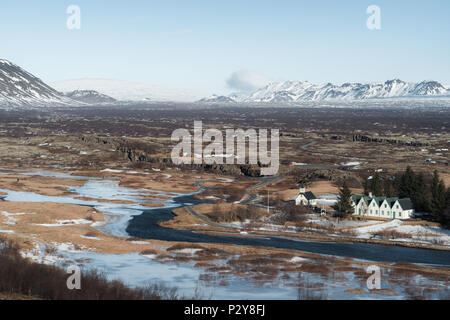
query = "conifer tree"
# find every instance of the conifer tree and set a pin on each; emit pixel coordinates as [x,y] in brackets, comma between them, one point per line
[366,187]
[344,206]
[446,217]
[438,198]
[407,184]
[376,185]
[388,188]
[421,194]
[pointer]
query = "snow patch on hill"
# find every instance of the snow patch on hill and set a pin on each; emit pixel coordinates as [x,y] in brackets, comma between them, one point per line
[20,88]
[292,91]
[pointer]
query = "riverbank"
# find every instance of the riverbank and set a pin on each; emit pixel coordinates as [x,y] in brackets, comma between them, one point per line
[77,228]
[184,219]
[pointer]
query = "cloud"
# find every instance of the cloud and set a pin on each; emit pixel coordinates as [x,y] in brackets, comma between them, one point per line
[244,80]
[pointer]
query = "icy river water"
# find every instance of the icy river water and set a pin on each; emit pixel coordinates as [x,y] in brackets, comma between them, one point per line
[135,220]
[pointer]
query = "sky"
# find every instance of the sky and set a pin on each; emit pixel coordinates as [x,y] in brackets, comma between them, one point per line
[218,46]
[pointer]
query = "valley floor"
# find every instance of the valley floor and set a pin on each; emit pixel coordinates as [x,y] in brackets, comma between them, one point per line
[62,217]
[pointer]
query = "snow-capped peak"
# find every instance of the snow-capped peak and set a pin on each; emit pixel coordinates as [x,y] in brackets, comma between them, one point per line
[90,97]
[20,88]
[294,91]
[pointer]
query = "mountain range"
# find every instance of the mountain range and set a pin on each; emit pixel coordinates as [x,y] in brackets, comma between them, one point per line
[20,88]
[298,91]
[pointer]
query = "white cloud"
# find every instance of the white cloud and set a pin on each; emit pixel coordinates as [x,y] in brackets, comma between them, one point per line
[244,80]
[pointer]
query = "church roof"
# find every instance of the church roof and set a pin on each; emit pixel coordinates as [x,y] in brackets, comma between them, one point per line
[309,195]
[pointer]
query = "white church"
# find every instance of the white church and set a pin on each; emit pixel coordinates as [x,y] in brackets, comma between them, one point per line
[367,206]
[305,198]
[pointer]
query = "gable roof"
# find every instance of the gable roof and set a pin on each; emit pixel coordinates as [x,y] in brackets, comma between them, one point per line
[356,198]
[406,204]
[309,195]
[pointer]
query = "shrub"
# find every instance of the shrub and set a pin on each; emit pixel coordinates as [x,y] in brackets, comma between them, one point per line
[21,276]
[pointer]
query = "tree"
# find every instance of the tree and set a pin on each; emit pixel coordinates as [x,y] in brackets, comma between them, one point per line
[446,217]
[344,206]
[366,187]
[407,185]
[413,186]
[438,198]
[387,188]
[421,193]
[376,185]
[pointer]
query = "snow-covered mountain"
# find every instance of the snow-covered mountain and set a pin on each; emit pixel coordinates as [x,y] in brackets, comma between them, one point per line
[218,99]
[20,88]
[126,90]
[295,91]
[89,97]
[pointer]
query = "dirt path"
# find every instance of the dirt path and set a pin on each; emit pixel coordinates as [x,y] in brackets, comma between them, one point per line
[248,199]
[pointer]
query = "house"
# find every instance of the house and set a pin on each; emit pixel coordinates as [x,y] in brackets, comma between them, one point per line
[305,198]
[382,207]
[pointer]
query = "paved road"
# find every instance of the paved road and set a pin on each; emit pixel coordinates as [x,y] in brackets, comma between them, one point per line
[252,197]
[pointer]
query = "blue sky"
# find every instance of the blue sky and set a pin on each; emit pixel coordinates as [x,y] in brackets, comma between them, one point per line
[197,45]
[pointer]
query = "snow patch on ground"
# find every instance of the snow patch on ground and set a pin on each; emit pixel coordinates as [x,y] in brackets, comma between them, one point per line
[301,164]
[366,232]
[90,238]
[351,164]
[212,197]
[112,170]
[188,251]
[418,233]
[298,259]
[62,223]
[139,242]
[10,216]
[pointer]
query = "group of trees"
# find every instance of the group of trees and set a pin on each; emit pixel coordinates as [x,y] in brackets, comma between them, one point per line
[232,213]
[427,193]
[289,212]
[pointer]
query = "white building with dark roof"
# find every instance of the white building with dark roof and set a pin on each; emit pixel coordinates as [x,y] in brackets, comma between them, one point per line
[382,207]
[305,198]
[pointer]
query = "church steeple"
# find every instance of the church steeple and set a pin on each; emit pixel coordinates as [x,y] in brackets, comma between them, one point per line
[302,188]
